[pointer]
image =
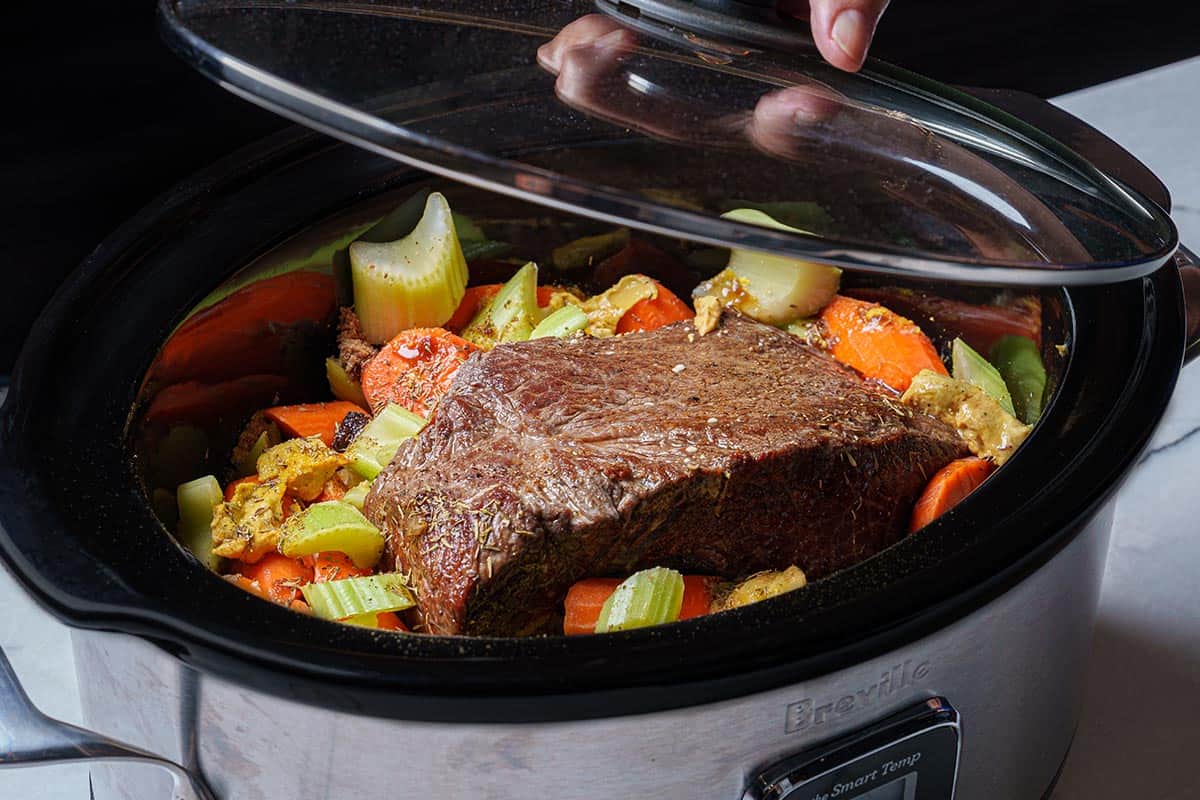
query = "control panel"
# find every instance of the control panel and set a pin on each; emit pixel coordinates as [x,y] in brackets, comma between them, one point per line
[911,755]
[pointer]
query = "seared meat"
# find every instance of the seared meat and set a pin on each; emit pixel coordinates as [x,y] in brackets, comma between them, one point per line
[725,454]
[353,348]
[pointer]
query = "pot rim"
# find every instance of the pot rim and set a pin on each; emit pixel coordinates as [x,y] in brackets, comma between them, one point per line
[55,518]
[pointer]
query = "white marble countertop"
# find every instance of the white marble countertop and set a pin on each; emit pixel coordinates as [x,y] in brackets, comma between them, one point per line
[1141,718]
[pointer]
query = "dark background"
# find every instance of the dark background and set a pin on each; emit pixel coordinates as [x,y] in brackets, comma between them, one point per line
[100,117]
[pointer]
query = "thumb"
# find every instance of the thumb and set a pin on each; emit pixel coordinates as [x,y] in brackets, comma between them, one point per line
[843,29]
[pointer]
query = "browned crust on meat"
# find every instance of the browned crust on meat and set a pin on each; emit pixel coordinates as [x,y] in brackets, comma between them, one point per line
[559,459]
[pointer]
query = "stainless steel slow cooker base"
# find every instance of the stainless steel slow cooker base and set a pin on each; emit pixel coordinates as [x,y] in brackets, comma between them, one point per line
[1012,668]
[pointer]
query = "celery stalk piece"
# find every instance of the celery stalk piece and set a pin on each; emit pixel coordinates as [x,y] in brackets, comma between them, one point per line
[650,597]
[805,215]
[352,597]
[475,243]
[248,463]
[588,250]
[196,500]
[510,315]
[967,365]
[560,323]
[774,289]
[332,525]
[373,448]
[467,230]
[342,385]
[414,282]
[474,250]
[357,495]
[1020,364]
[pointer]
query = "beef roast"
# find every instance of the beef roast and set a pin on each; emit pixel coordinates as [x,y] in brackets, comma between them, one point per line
[557,459]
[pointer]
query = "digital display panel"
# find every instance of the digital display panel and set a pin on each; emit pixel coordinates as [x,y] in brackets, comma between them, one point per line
[903,788]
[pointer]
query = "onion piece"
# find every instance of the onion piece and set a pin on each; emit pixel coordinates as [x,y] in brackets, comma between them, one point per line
[770,288]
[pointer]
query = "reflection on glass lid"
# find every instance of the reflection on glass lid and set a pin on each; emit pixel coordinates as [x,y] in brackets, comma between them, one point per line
[605,111]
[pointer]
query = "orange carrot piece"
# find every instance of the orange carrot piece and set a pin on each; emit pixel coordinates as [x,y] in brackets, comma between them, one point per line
[246,332]
[878,342]
[333,489]
[312,419]
[977,325]
[279,576]
[414,369]
[247,585]
[697,596]
[648,314]
[585,599]
[948,487]
[204,403]
[388,621]
[331,565]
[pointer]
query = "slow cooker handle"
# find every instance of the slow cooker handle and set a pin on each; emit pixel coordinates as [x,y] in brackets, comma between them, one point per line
[1189,272]
[30,738]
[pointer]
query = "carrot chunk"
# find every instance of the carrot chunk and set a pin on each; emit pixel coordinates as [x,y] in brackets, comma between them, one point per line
[414,369]
[585,599]
[279,576]
[878,342]
[331,565]
[697,596]
[389,621]
[312,419]
[648,314]
[948,487]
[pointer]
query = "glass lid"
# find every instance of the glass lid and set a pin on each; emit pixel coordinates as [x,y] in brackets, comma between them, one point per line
[665,114]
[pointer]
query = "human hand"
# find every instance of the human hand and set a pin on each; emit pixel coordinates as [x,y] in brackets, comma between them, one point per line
[841,29]
[586,57]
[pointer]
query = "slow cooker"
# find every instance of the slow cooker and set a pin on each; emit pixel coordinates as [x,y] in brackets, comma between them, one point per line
[947,666]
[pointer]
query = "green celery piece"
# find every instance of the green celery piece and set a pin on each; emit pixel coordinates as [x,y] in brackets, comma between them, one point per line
[249,464]
[560,323]
[357,495]
[777,289]
[1020,364]
[352,597]
[475,243]
[413,282]
[967,365]
[650,597]
[466,229]
[474,250]
[342,385]
[373,448]
[588,250]
[805,215]
[196,500]
[509,316]
[332,525]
